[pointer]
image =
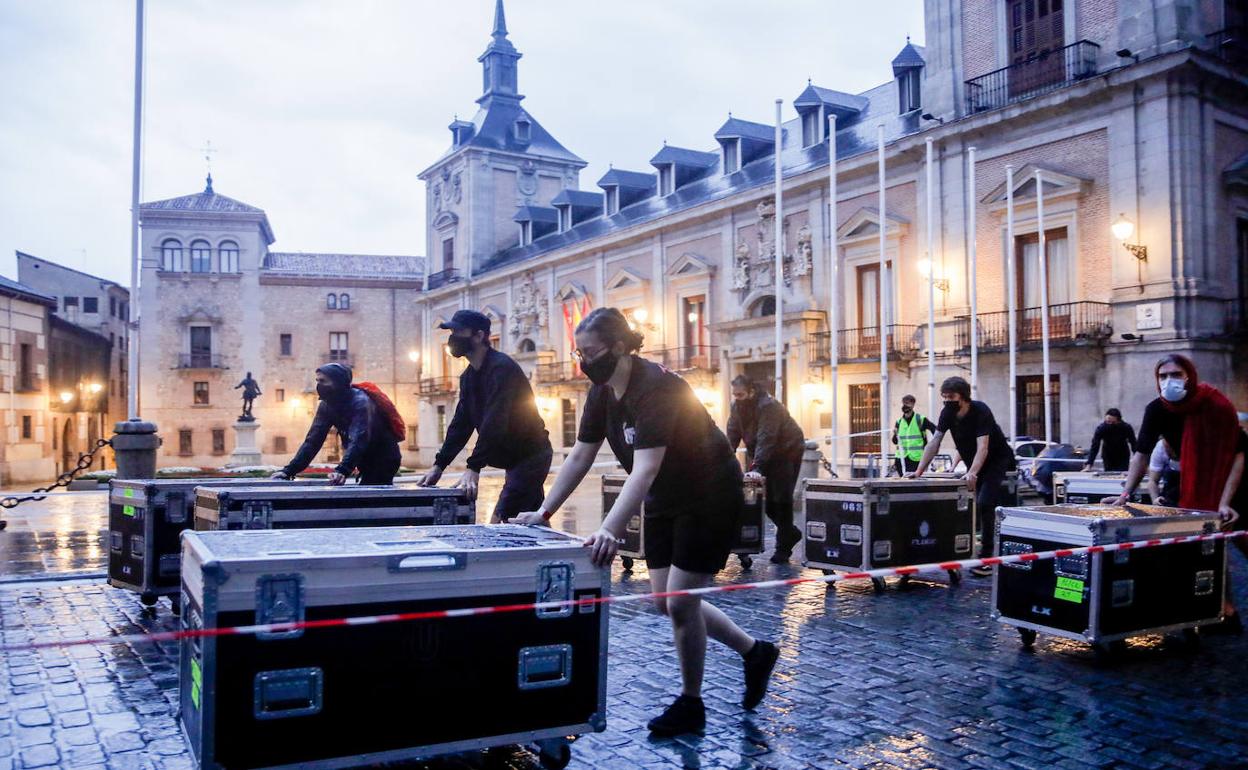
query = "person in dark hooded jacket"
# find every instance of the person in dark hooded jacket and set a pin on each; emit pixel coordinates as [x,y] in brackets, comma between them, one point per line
[773,445]
[369,445]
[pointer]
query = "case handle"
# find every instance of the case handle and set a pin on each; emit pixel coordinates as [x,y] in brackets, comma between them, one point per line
[426,562]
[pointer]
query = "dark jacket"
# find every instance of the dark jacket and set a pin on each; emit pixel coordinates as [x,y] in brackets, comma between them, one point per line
[769,432]
[365,434]
[497,402]
[1118,441]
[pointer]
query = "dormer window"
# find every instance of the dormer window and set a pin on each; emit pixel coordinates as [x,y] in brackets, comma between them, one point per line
[612,200]
[524,130]
[732,156]
[810,128]
[909,90]
[667,180]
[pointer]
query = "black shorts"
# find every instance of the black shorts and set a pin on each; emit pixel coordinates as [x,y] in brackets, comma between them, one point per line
[697,538]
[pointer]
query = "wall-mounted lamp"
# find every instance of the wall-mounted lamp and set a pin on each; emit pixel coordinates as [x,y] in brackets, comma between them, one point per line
[1126,53]
[95,387]
[66,396]
[930,116]
[1129,337]
[816,393]
[296,402]
[1123,228]
[414,356]
[708,397]
[546,405]
[926,270]
[639,319]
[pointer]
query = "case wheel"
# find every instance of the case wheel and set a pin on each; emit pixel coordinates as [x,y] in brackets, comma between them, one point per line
[148,599]
[747,561]
[1027,636]
[903,582]
[554,754]
[878,584]
[627,563]
[828,572]
[955,577]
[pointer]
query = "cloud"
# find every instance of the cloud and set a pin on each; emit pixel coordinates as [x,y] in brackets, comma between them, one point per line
[323,112]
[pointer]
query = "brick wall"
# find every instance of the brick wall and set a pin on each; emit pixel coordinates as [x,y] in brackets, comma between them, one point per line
[1097,20]
[979,37]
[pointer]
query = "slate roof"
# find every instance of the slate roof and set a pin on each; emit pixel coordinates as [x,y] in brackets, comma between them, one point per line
[536,214]
[841,103]
[22,291]
[911,56]
[632,180]
[375,266]
[682,157]
[211,202]
[735,127]
[855,135]
[577,199]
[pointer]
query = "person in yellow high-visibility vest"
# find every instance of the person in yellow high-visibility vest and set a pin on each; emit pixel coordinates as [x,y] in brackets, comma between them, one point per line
[910,434]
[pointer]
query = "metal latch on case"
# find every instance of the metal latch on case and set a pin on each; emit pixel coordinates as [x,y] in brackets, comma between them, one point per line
[175,508]
[257,515]
[279,599]
[444,509]
[554,584]
[881,503]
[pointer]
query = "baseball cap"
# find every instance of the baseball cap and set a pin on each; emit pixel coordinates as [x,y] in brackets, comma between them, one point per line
[467,319]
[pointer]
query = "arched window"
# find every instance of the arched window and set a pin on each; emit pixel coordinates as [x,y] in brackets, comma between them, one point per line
[331,302]
[229,257]
[344,301]
[527,346]
[765,306]
[171,255]
[201,257]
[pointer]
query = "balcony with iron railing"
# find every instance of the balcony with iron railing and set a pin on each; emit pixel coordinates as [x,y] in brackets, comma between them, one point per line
[685,359]
[1040,74]
[200,361]
[438,386]
[556,372]
[1070,323]
[1230,45]
[863,344]
[442,278]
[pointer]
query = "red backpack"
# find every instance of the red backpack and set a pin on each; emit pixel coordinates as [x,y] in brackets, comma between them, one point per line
[383,402]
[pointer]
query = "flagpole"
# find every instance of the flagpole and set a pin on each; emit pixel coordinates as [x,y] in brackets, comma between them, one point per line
[931,289]
[132,391]
[834,299]
[971,278]
[1011,300]
[881,307]
[779,264]
[1044,312]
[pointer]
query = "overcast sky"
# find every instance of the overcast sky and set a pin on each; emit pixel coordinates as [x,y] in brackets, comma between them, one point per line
[324,112]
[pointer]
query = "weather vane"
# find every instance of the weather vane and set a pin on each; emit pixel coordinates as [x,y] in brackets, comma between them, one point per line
[208,150]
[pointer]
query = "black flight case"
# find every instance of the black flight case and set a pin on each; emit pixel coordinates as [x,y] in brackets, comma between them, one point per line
[277,507]
[870,523]
[1103,598]
[145,519]
[749,536]
[362,694]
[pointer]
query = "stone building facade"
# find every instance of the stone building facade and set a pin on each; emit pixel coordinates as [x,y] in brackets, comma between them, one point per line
[26,454]
[1130,110]
[102,309]
[216,303]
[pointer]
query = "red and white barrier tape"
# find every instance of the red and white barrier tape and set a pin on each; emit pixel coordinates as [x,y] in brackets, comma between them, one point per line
[270,628]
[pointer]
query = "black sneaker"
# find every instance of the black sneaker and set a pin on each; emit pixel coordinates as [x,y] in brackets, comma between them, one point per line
[983,570]
[759,663]
[781,555]
[686,715]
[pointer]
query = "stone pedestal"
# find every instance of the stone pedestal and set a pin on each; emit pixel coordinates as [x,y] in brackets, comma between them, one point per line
[245,450]
[134,445]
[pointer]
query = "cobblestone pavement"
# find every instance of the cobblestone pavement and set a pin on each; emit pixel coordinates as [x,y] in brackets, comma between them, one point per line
[910,678]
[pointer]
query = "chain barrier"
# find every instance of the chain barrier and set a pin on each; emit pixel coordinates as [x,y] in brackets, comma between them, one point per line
[85,461]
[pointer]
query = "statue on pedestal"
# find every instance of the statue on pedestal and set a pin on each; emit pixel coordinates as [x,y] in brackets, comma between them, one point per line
[251,389]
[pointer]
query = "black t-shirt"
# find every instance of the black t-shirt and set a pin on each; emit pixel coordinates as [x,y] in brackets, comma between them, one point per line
[659,409]
[1159,422]
[967,430]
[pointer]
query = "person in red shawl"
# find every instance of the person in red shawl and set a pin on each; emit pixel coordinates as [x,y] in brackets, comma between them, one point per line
[1201,428]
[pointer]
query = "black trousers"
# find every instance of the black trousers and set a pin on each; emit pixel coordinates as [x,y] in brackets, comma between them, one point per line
[781,475]
[524,487]
[987,498]
[904,465]
[380,465]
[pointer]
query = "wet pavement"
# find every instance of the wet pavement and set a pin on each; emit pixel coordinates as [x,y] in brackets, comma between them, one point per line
[910,678]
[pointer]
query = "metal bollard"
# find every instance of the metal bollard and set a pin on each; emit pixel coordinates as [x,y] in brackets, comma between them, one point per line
[134,445]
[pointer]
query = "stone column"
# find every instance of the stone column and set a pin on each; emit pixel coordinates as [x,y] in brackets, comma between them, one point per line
[134,446]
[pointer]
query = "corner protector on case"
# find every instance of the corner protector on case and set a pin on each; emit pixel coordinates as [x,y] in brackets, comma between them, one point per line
[598,721]
[995,614]
[213,569]
[1088,635]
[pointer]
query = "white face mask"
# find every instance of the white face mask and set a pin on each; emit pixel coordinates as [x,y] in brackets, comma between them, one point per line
[1173,390]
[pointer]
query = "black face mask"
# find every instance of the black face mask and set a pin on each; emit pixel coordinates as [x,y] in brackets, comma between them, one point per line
[950,412]
[601,368]
[907,412]
[326,392]
[460,346]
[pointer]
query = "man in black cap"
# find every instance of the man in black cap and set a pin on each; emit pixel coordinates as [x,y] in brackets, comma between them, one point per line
[495,400]
[369,442]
